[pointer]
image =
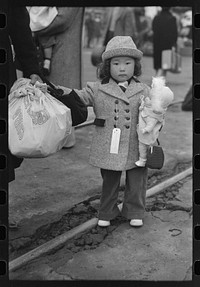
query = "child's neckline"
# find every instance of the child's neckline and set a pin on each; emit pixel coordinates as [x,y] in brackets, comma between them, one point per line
[105,81]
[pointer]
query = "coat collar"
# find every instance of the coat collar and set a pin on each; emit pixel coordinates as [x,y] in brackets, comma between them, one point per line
[114,90]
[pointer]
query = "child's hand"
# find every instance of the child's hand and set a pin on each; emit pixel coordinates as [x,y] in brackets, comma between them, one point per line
[34,78]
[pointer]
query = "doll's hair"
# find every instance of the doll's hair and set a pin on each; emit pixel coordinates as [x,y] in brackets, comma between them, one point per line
[103,69]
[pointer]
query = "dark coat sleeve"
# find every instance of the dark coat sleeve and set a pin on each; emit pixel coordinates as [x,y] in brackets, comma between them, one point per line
[78,109]
[21,38]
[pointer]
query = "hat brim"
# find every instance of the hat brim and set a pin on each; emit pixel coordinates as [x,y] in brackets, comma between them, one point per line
[134,53]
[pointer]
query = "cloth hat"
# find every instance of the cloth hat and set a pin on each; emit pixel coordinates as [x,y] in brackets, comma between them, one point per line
[121,46]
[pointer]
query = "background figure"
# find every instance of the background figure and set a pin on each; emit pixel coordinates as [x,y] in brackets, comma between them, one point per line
[165,34]
[121,22]
[89,28]
[97,27]
[66,54]
[47,46]
[143,27]
[19,38]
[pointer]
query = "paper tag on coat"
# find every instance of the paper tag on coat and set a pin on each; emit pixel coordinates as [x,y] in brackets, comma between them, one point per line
[114,147]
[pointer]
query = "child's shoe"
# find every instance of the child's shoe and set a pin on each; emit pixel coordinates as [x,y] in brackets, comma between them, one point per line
[103,223]
[141,162]
[136,222]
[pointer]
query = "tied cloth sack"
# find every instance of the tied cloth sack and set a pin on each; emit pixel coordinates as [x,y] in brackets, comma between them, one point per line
[38,125]
[155,157]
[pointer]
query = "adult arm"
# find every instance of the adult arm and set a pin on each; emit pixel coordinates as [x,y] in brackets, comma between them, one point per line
[21,38]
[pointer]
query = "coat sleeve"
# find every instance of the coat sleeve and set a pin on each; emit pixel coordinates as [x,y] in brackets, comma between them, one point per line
[150,124]
[21,38]
[88,93]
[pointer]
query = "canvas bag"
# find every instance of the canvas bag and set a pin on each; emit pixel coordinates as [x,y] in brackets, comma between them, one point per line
[38,125]
[171,60]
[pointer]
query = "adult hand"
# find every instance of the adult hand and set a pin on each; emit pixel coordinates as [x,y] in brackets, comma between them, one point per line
[34,78]
[66,90]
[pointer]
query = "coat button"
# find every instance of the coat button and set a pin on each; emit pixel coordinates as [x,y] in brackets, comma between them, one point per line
[127,118]
[116,102]
[127,111]
[116,118]
[127,126]
[116,110]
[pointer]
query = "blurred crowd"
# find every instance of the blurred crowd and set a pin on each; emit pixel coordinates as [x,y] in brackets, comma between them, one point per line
[96,20]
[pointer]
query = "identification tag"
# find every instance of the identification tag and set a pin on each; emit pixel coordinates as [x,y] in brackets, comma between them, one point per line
[114,147]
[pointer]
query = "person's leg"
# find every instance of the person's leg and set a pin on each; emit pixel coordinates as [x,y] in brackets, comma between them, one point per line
[108,202]
[47,60]
[142,155]
[135,193]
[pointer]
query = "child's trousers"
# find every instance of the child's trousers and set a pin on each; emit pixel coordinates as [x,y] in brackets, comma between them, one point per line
[134,196]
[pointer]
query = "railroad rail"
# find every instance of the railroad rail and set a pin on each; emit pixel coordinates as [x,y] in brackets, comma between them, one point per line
[63,238]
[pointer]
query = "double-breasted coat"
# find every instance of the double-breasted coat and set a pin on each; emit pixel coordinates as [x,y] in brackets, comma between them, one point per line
[114,108]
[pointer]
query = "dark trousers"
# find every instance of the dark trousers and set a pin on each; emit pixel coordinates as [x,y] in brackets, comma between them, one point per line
[134,196]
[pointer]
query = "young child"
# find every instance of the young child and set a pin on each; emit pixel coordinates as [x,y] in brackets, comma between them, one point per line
[115,100]
[40,18]
[151,116]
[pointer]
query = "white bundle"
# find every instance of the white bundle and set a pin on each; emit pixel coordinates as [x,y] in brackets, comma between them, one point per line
[39,125]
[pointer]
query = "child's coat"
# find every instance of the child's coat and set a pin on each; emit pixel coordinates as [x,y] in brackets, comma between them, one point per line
[106,99]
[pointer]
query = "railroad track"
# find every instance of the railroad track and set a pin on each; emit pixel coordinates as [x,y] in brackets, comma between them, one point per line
[63,238]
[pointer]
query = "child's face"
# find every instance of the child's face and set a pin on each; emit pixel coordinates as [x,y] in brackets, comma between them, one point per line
[122,68]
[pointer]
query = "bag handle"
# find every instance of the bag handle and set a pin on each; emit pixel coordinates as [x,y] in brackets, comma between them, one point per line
[52,89]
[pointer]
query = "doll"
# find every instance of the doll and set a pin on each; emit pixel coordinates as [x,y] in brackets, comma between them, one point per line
[151,116]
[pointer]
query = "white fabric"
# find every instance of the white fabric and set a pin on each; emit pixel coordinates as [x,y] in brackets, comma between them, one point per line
[39,125]
[41,17]
[123,84]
